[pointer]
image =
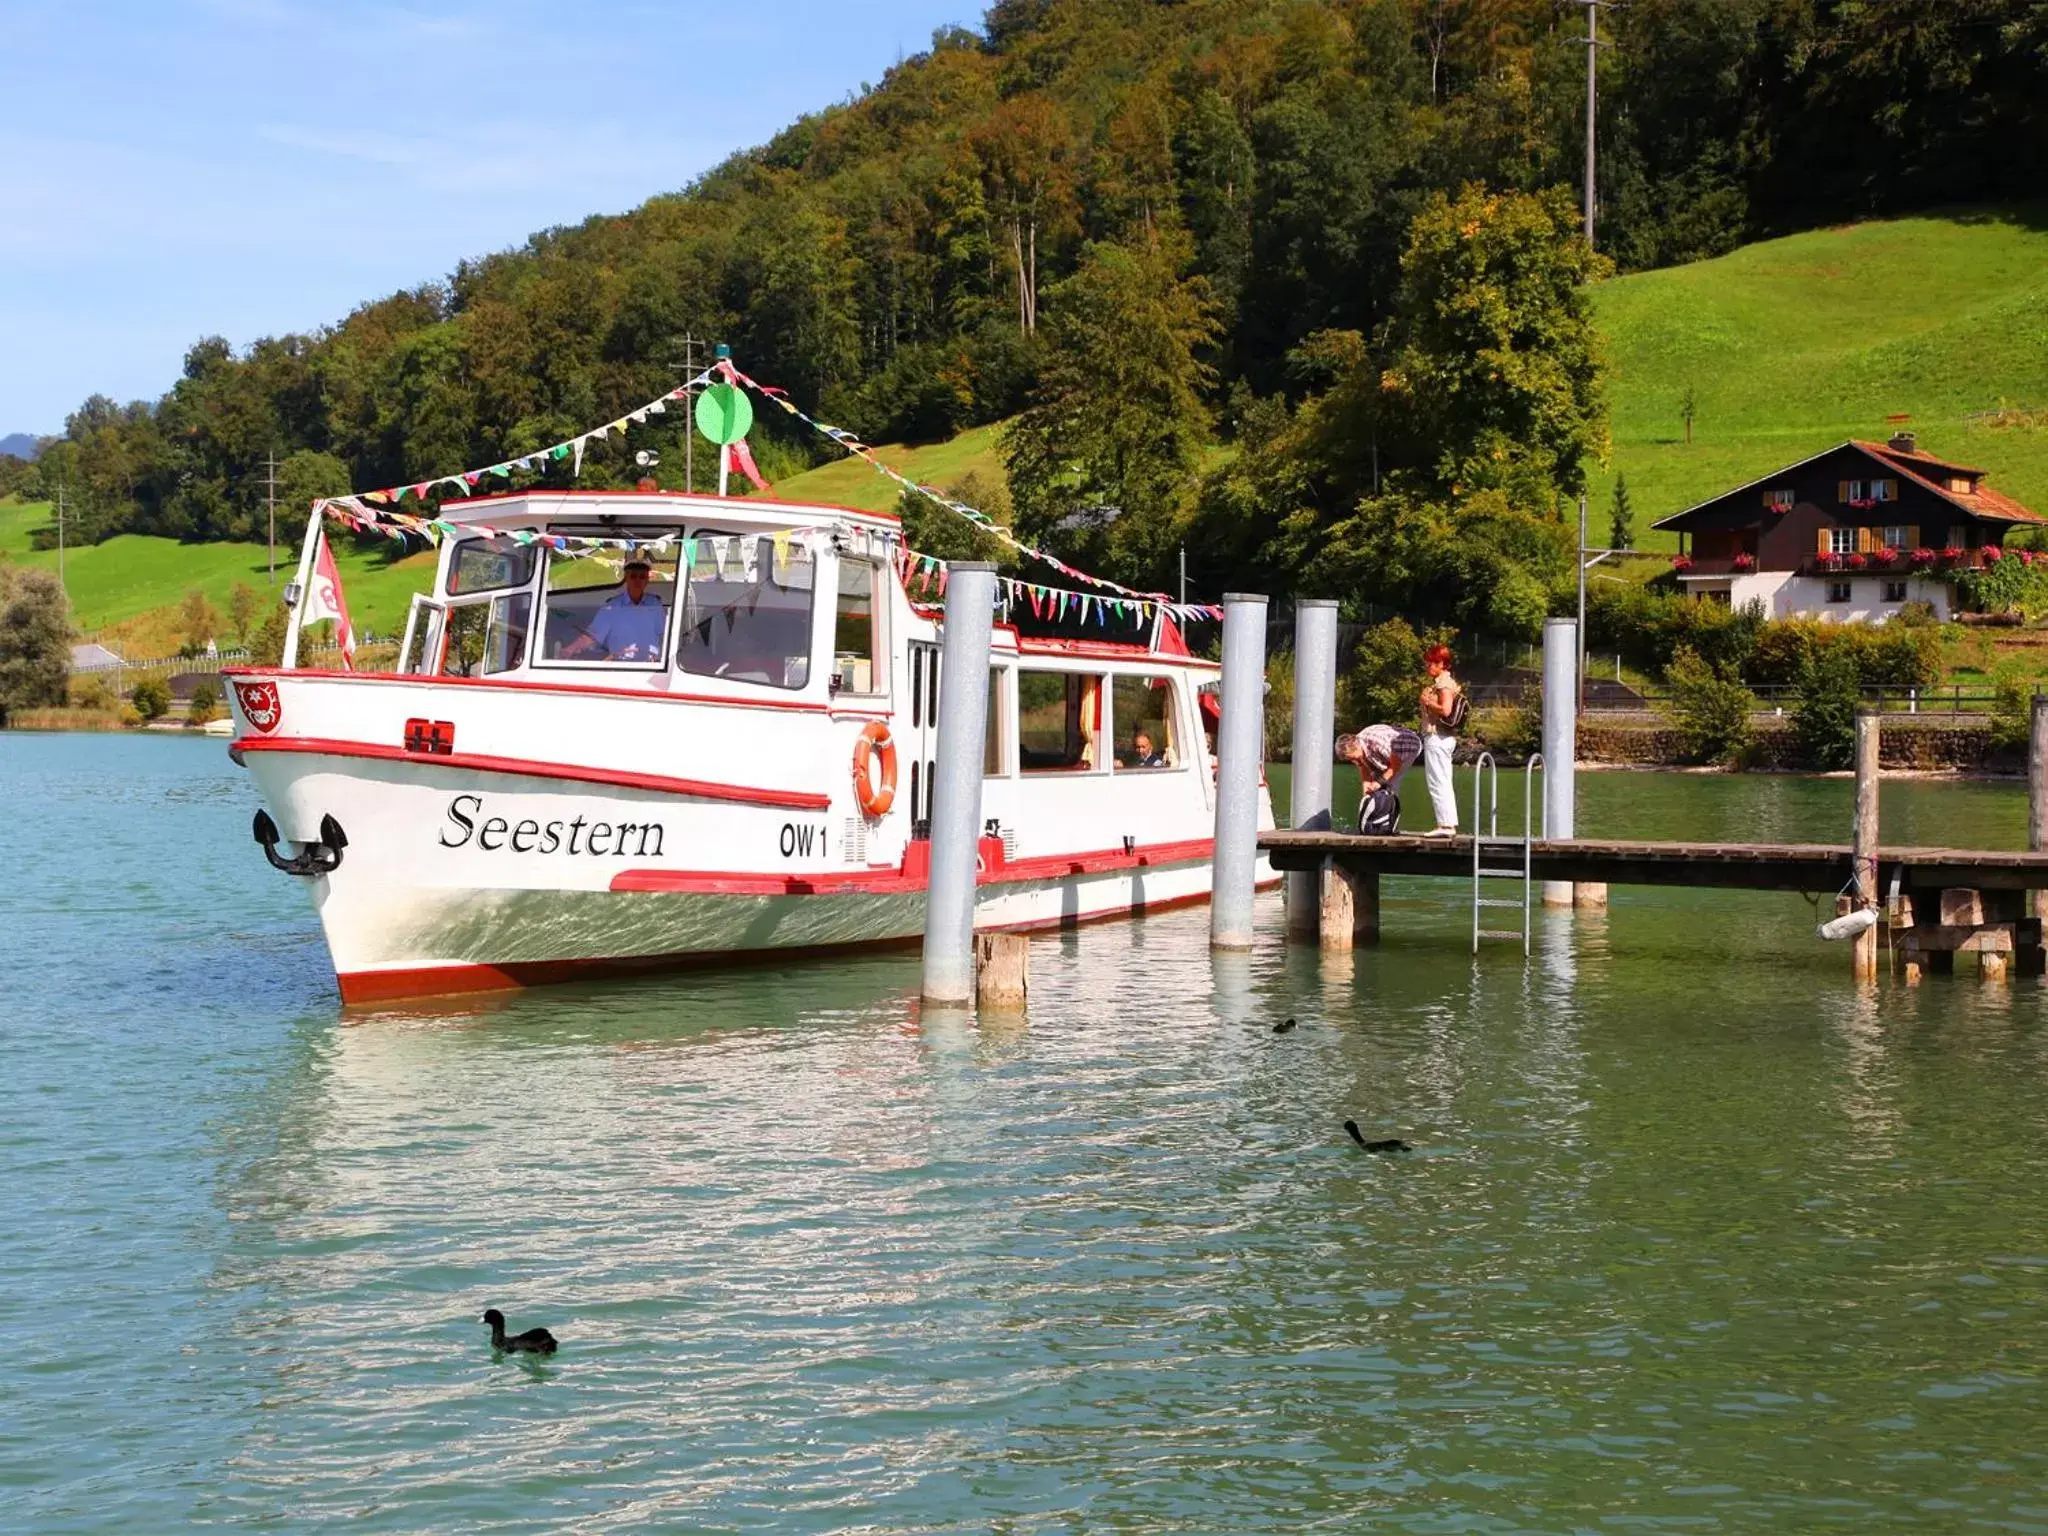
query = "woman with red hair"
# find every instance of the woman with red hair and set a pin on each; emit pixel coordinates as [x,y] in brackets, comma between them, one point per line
[1443,711]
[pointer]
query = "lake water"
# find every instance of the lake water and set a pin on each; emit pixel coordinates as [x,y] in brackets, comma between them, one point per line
[1697,1236]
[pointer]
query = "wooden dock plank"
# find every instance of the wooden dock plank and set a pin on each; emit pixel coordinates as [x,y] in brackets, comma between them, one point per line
[1820,867]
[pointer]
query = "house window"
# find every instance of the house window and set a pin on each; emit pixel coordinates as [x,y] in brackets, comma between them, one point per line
[1854,491]
[1895,591]
[1781,499]
[1898,536]
[1884,490]
[1842,541]
[1962,483]
[1838,591]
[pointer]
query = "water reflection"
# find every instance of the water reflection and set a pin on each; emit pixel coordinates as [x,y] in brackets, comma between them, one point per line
[1695,1232]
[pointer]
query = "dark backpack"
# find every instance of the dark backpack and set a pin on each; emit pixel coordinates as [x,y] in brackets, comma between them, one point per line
[1379,813]
[1454,717]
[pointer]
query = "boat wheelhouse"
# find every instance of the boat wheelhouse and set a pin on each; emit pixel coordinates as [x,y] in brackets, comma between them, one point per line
[638,729]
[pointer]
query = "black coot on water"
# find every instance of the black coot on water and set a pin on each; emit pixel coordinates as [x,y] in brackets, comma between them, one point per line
[1391,1144]
[535,1341]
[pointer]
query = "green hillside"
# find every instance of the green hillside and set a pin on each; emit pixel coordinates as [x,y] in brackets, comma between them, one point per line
[1793,345]
[849,482]
[132,577]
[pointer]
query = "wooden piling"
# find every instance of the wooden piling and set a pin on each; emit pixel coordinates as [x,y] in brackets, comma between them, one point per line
[1002,970]
[2037,796]
[1351,907]
[1864,843]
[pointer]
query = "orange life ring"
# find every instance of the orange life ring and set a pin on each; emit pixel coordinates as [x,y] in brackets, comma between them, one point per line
[874,803]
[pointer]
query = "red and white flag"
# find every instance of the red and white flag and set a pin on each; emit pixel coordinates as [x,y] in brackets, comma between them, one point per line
[742,459]
[325,601]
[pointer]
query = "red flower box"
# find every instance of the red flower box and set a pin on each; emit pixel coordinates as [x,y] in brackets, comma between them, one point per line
[1745,562]
[1952,554]
[1857,562]
[1923,556]
[1993,554]
[1680,563]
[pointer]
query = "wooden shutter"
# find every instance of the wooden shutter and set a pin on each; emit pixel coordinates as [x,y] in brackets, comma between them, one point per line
[1912,537]
[1826,546]
[1841,490]
[1864,542]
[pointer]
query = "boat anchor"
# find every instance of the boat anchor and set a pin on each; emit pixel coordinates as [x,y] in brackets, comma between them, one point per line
[316,858]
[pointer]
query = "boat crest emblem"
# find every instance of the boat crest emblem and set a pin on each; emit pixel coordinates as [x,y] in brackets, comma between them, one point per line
[260,704]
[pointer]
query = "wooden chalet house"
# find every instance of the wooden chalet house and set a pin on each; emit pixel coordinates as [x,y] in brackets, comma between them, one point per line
[1854,533]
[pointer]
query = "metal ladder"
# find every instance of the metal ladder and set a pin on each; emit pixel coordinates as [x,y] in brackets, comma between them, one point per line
[1494,856]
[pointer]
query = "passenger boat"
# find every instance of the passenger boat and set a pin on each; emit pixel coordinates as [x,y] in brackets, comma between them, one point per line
[581,765]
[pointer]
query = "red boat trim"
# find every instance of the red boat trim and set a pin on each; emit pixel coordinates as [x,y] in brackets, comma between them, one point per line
[888,882]
[526,768]
[423,680]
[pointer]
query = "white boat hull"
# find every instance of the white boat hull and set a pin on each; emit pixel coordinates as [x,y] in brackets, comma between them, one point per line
[433,897]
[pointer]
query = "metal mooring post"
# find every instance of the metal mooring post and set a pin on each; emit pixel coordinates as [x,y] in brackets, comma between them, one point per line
[1315,724]
[1863,844]
[1240,737]
[1560,740]
[956,785]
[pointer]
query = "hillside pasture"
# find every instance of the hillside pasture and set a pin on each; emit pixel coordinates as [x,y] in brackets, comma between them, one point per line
[1790,346]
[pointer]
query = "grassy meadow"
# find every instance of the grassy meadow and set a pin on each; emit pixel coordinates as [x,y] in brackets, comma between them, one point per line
[850,482]
[1792,345]
[128,590]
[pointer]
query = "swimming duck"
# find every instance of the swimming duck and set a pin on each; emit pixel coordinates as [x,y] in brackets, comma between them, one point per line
[1391,1144]
[535,1341]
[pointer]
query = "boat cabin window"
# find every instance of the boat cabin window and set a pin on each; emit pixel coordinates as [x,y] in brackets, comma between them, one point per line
[610,605]
[478,639]
[488,565]
[747,609]
[995,762]
[859,658]
[1144,712]
[1059,721]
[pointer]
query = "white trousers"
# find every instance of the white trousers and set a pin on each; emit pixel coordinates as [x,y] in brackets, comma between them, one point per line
[1436,773]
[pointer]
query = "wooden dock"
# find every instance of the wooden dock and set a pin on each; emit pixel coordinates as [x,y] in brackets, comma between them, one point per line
[1935,903]
[1821,868]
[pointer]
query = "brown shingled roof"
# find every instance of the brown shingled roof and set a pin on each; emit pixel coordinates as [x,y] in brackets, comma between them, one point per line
[1981,502]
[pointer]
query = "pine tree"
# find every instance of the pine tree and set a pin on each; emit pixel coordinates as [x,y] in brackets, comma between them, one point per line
[1621,531]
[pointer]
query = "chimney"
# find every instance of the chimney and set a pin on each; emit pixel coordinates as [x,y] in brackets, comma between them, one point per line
[1903,442]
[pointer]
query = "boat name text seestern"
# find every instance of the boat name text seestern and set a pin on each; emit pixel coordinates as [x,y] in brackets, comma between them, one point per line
[629,839]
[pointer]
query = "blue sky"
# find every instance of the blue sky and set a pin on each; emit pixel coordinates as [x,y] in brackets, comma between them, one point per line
[181,168]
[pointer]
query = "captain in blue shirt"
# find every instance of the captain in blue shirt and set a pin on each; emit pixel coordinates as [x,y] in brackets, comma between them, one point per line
[632,624]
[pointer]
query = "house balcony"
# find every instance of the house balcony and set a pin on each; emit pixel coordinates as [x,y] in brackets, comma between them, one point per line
[1897,563]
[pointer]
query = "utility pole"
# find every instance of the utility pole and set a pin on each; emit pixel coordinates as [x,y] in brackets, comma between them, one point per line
[270,505]
[60,533]
[1183,574]
[689,370]
[1593,46]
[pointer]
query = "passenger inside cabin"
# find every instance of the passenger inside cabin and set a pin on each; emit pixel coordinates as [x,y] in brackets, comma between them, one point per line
[1143,753]
[630,626]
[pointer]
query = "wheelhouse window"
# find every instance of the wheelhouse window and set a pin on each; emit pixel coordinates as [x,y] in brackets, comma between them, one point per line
[1059,721]
[489,565]
[610,605]
[747,609]
[995,761]
[859,657]
[1145,712]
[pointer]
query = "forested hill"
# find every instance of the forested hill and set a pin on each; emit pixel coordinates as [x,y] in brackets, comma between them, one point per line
[894,260]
